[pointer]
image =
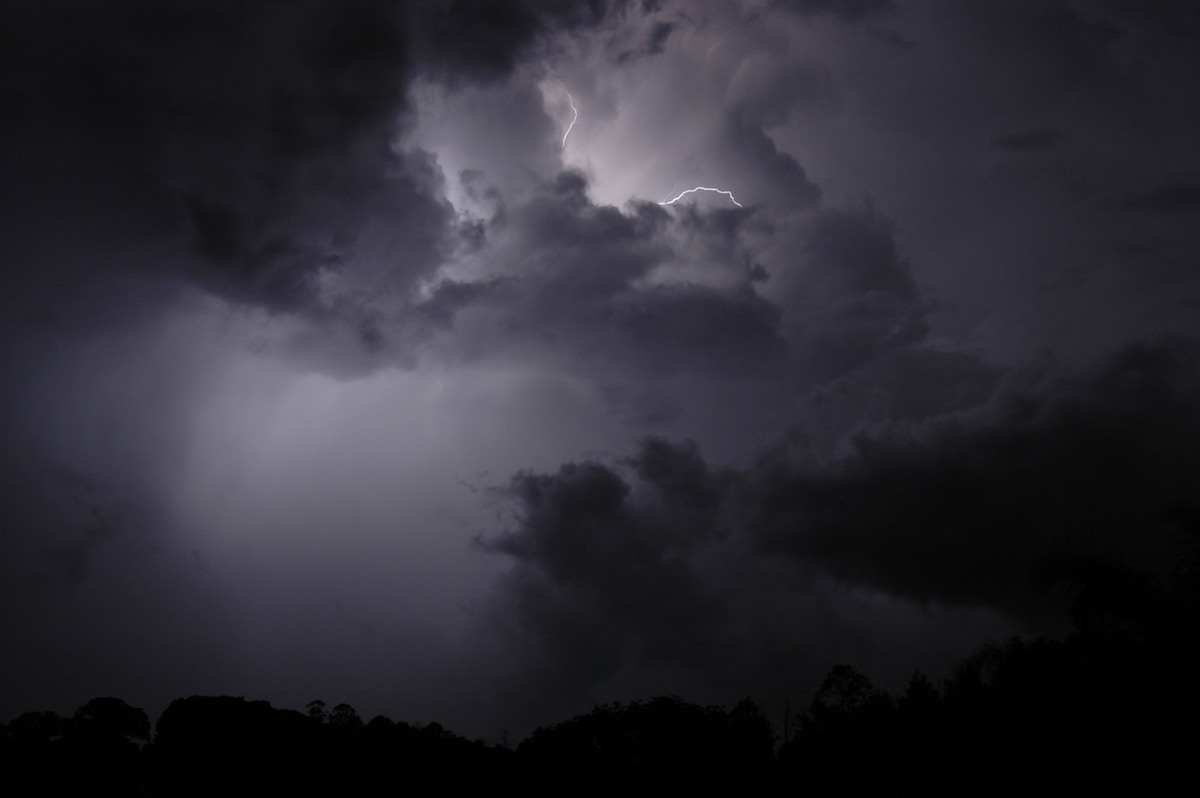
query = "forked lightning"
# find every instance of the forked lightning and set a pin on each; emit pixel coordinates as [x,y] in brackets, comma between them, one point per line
[575,118]
[703,188]
[575,111]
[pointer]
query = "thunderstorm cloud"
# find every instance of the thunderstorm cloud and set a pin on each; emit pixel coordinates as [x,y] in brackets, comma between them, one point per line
[334,368]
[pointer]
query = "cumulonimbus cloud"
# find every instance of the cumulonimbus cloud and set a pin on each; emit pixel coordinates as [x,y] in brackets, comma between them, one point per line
[661,554]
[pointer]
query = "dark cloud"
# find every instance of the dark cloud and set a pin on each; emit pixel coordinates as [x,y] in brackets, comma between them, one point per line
[597,287]
[471,40]
[768,91]
[654,41]
[1172,198]
[849,9]
[1071,45]
[852,295]
[1027,141]
[252,147]
[643,407]
[752,155]
[448,297]
[702,329]
[966,509]
[657,559]
[257,136]
[461,39]
[658,37]
[908,383]
[603,576]
[852,253]
[584,287]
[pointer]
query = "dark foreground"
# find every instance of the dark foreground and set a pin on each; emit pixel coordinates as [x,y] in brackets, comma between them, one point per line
[1110,710]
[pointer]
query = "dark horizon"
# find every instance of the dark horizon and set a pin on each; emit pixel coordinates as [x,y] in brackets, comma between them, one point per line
[1103,711]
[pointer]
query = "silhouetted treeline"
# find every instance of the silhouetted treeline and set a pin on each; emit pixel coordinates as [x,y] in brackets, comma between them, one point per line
[665,746]
[1111,709]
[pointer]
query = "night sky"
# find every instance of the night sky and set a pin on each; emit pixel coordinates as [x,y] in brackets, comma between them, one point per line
[349,350]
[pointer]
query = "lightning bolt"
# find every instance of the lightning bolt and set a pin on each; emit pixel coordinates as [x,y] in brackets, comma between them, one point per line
[703,188]
[576,112]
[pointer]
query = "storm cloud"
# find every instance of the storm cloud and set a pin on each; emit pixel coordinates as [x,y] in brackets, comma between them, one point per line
[664,558]
[376,352]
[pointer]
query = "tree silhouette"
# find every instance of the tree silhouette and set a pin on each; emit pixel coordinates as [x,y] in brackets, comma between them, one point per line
[32,759]
[848,722]
[111,718]
[316,710]
[662,746]
[344,717]
[847,703]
